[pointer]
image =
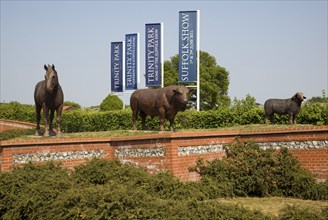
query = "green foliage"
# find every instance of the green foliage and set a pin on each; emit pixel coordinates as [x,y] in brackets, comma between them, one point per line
[214,80]
[318,99]
[27,192]
[102,189]
[313,113]
[81,121]
[242,112]
[73,104]
[295,212]
[111,102]
[252,171]
[17,111]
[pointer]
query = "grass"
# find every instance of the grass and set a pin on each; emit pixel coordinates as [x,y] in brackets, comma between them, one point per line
[272,205]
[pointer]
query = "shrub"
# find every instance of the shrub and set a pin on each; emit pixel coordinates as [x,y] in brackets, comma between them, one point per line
[73,104]
[111,102]
[296,212]
[27,191]
[17,111]
[102,189]
[313,113]
[252,171]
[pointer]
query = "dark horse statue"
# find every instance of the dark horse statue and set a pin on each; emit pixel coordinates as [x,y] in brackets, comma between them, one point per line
[48,95]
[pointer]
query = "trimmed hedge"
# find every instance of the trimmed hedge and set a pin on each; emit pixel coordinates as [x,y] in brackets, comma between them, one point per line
[19,112]
[86,120]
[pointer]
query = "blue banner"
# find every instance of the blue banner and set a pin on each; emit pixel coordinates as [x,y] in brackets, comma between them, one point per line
[188,46]
[117,66]
[153,55]
[131,61]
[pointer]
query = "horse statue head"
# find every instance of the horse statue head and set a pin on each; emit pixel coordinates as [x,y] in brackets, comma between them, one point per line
[51,78]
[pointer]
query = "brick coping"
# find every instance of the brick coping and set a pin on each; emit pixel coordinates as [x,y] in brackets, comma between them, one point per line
[168,135]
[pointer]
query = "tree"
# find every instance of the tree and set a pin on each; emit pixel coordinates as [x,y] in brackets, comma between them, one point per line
[73,104]
[214,80]
[318,99]
[111,102]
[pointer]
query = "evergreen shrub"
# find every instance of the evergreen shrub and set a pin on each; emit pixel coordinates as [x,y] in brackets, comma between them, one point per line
[252,171]
[102,189]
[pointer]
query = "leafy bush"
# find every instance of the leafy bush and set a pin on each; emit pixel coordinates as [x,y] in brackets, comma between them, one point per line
[111,102]
[295,212]
[17,111]
[28,191]
[313,113]
[252,171]
[73,104]
[80,121]
[101,189]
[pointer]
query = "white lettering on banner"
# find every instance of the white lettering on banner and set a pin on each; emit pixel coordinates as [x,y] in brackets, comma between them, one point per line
[116,66]
[185,36]
[151,54]
[129,53]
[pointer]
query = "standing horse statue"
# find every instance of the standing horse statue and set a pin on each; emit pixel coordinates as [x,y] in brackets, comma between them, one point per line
[49,96]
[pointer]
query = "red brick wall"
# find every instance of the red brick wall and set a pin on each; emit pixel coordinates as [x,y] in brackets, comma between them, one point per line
[314,159]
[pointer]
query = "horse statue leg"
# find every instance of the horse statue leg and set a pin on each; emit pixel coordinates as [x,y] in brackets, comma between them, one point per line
[38,118]
[58,114]
[46,120]
[51,128]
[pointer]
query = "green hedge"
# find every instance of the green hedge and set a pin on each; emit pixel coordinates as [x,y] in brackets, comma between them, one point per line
[87,120]
[16,111]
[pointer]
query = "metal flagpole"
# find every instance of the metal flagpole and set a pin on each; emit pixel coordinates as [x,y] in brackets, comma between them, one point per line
[123,73]
[198,58]
[162,54]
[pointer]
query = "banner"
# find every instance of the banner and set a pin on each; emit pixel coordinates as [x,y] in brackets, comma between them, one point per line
[117,66]
[153,54]
[188,46]
[131,61]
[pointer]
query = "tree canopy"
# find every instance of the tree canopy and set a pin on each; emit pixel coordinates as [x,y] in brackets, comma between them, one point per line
[111,102]
[214,80]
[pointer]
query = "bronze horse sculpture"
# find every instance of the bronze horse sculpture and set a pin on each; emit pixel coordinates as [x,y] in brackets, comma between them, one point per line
[49,96]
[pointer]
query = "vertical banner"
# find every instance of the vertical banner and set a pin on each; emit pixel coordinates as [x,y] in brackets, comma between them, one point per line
[117,66]
[153,52]
[131,61]
[188,39]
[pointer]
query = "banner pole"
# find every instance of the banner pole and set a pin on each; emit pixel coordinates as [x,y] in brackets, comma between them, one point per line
[198,58]
[123,73]
[162,54]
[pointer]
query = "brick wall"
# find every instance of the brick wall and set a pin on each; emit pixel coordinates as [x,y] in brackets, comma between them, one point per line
[175,152]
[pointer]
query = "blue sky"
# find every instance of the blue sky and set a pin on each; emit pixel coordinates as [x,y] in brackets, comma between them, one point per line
[272,49]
